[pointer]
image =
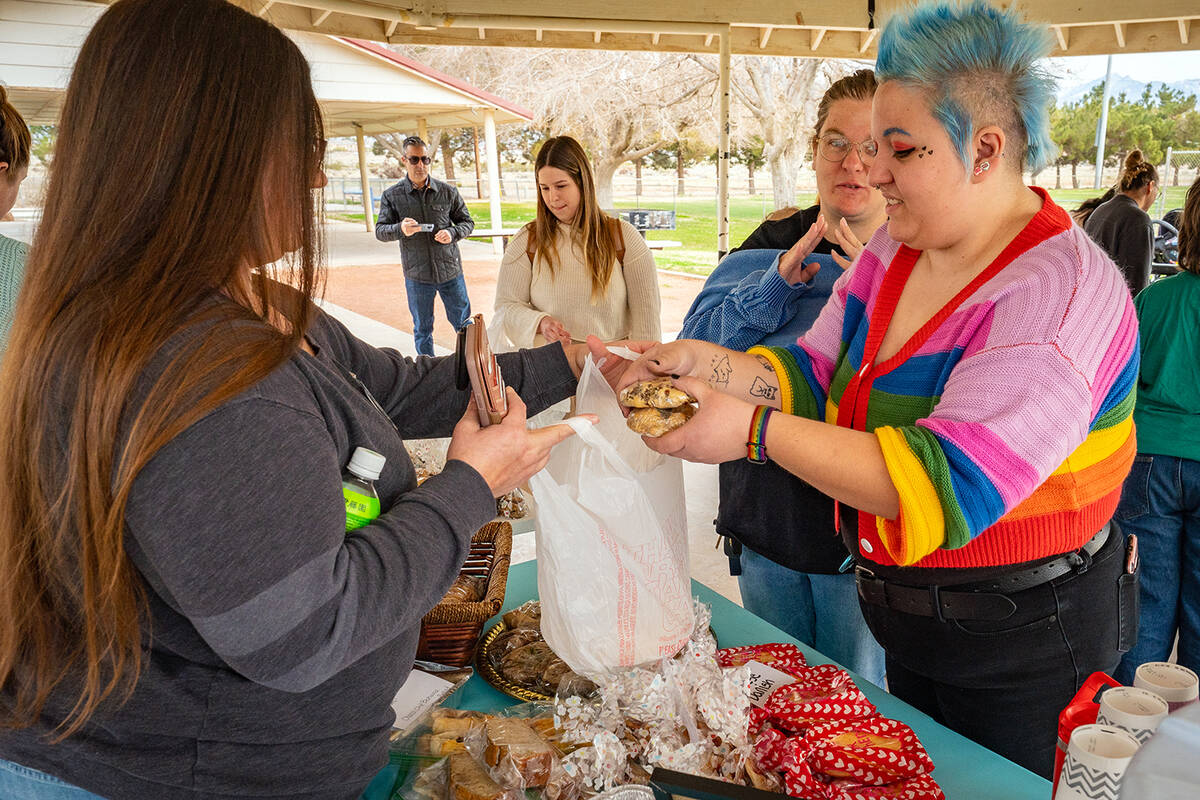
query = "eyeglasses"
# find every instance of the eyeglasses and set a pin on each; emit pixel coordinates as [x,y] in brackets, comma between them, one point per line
[414,160]
[836,148]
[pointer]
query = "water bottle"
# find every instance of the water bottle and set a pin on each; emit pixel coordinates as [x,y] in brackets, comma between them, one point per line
[358,487]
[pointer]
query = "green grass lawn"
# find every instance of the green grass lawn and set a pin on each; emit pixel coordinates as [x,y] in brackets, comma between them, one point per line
[696,222]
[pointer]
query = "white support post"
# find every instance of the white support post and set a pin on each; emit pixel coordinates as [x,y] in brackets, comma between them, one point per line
[723,148]
[493,169]
[368,210]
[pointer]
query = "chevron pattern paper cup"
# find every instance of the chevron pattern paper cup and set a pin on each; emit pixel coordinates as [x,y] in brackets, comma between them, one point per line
[1096,759]
[1174,683]
[1135,710]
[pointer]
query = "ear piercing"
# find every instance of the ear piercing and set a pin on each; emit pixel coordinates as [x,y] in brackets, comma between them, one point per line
[982,168]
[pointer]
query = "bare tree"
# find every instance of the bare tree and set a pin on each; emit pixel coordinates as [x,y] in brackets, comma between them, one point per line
[620,106]
[781,95]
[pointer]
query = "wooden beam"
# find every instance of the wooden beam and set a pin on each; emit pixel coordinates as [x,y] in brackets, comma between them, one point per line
[324,15]
[538,34]
[865,38]
[482,33]
[1184,30]
[764,36]
[1063,35]
[708,40]
[596,37]
[817,36]
[654,37]
[1119,27]
[262,12]
[391,29]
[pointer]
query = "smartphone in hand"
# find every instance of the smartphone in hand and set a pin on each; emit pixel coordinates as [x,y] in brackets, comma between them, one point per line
[426,227]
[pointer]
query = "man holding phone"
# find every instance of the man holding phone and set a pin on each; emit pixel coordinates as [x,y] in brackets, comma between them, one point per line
[428,217]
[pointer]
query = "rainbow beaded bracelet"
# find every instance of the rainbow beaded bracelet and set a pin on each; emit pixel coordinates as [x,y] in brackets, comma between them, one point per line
[756,448]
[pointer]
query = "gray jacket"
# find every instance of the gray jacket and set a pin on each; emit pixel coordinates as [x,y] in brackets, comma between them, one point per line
[275,640]
[425,260]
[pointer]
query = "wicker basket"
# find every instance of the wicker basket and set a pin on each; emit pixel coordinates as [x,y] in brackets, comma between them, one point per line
[450,632]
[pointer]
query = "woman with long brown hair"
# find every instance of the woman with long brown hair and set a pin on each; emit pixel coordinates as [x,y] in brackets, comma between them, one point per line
[575,270]
[185,609]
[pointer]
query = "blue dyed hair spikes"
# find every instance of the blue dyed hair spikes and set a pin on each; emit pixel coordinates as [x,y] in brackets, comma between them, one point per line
[970,57]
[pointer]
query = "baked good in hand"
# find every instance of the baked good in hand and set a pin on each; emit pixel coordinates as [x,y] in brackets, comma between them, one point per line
[655,393]
[656,422]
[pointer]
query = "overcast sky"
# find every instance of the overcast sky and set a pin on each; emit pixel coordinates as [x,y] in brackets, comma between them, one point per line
[1166,67]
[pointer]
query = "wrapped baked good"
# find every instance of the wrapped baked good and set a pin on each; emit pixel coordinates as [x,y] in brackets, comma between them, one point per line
[466,589]
[525,665]
[513,743]
[922,787]
[456,721]
[468,780]
[820,694]
[655,422]
[872,751]
[511,640]
[783,657]
[512,505]
[526,615]
[654,393]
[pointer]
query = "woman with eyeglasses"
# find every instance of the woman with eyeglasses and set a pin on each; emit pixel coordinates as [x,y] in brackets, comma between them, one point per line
[772,296]
[966,395]
[187,609]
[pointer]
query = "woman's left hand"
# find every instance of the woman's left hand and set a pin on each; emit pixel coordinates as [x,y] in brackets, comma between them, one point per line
[849,243]
[717,432]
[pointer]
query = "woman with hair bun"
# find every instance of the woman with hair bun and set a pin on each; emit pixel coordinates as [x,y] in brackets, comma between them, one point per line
[14,166]
[968,388]
[1121,225]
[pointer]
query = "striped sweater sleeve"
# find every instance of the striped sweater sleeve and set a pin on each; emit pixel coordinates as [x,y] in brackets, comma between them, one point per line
[805,369]
[1026,425]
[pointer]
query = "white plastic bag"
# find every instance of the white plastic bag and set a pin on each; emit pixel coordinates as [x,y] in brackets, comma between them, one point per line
[612,543]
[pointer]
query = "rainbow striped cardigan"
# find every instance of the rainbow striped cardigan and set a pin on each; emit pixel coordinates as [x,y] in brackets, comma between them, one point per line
[1006,422]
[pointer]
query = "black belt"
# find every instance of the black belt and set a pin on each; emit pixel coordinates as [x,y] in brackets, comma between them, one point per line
[984,600]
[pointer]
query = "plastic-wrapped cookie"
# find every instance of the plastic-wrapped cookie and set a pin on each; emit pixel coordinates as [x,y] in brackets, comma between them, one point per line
[656,422]
[655,393]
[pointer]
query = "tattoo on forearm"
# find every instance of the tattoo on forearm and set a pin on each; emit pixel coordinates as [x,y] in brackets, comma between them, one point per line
[722,370]
[761,388]
[766,365]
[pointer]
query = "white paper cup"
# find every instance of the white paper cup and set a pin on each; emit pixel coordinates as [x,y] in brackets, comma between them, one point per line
[1176,684]
[1096,759]
[1137,711]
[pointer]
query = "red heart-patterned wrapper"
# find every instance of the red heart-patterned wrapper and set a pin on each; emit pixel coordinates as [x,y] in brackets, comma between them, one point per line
[921,787]
[820,694]
[783,657]
[872,752]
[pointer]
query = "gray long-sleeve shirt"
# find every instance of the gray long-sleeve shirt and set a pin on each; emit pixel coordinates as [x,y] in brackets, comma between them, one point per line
[425,259]
[1125,232]
[279,639]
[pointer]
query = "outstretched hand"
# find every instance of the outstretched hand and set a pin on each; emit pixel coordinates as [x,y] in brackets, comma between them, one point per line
[718,431]
[506,455]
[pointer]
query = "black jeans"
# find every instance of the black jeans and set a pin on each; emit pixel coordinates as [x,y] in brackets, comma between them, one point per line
[1002,684]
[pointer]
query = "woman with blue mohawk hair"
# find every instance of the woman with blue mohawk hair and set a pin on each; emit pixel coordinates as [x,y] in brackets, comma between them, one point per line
[968,388]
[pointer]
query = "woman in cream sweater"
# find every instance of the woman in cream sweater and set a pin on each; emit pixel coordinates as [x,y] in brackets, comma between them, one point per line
[575,270]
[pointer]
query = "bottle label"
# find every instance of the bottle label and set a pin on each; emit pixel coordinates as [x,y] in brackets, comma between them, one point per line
[361,509]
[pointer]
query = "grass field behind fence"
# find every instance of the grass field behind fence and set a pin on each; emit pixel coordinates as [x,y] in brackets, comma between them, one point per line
[696,222]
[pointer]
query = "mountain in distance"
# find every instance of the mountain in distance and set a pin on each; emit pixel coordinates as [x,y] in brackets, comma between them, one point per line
[1069,93]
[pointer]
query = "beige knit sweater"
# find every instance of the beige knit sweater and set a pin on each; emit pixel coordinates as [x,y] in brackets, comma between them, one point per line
[525,293]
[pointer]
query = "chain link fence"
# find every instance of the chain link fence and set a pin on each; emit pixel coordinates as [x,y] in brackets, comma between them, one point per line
[1178,172]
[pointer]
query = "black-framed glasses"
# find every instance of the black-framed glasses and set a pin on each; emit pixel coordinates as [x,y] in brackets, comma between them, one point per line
[836,148]
[414,160]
